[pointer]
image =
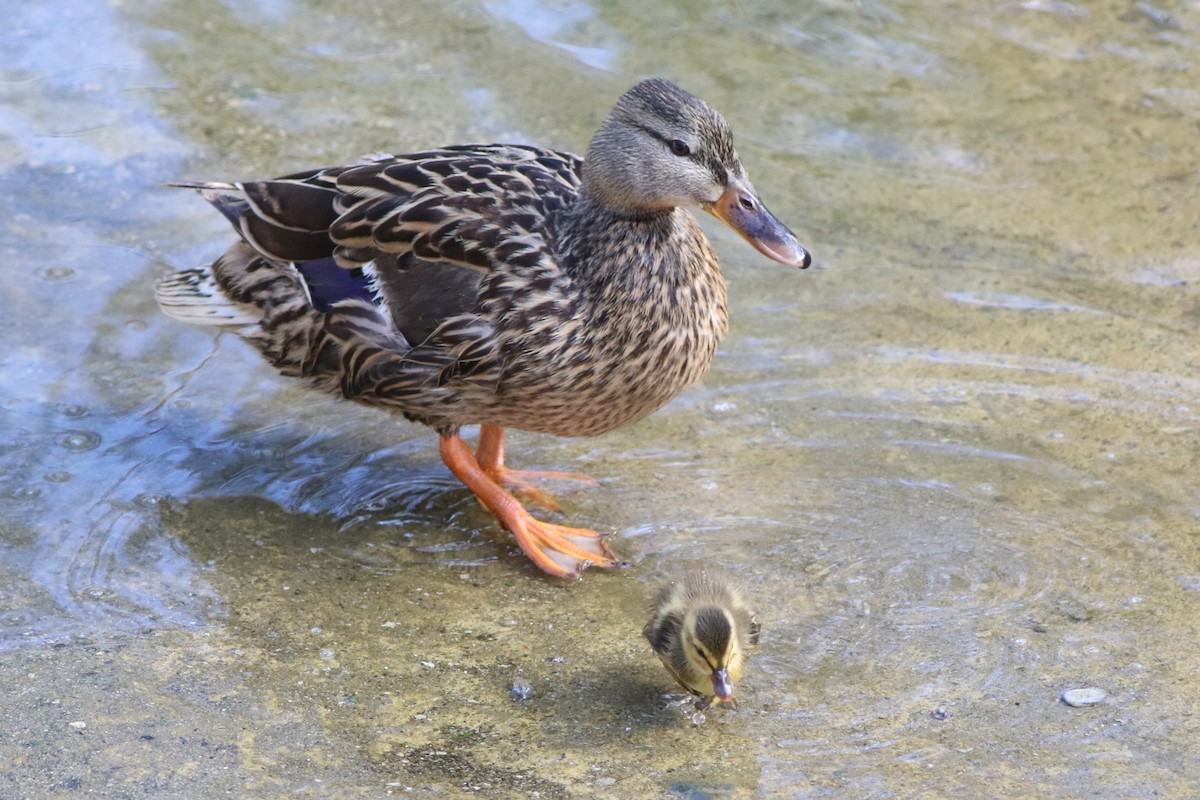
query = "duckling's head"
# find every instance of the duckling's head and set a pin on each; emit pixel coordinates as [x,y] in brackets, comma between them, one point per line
[714,654]
[661,148]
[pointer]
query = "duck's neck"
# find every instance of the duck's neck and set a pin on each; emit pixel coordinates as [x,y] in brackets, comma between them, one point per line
[603,246]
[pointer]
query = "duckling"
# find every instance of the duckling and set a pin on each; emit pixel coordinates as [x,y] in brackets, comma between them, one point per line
[703,631]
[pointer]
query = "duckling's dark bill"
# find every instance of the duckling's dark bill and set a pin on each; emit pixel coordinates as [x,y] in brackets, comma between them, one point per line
[739,208]
[722,686]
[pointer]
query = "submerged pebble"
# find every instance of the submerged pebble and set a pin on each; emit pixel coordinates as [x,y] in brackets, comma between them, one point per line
[1087,696]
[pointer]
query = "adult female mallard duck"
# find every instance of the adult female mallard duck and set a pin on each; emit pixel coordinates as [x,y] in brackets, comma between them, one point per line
[499,285]
[703,631]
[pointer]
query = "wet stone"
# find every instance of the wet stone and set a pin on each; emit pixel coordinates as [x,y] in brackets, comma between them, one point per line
[1087,696]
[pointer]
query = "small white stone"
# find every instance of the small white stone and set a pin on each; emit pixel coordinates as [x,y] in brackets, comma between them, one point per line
[1087,696]
[78,725]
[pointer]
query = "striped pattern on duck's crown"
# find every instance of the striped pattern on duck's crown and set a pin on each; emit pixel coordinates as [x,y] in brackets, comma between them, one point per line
[680,110]
[631,164]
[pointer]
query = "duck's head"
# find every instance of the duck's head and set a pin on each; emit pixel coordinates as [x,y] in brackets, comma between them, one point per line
[662,147]
[714,652]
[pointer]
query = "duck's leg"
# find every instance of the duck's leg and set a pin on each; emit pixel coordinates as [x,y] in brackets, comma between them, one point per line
[489,453]
[561,551]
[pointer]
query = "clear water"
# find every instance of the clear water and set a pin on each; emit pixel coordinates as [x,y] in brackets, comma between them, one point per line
[954,465]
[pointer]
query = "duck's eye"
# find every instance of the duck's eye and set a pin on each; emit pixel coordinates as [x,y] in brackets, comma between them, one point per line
[679,147]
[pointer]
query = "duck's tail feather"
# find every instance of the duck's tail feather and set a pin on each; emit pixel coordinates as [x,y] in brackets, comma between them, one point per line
[263,301]
[228,198]
[193,296]
[269,304]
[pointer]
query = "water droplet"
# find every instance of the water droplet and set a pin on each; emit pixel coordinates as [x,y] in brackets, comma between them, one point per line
[73,410]
[25,493]
[149,500]
[326,654]
[136,325]
[58,476]
[521,689]
[698,718]
[79,441]
[58,273]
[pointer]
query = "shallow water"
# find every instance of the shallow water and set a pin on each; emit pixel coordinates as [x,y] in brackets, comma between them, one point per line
[953,465]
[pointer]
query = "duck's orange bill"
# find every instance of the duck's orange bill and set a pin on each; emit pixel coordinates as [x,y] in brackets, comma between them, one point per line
[739,208]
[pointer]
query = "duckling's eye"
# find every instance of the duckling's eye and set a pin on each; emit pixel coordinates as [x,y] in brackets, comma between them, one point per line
[679,147]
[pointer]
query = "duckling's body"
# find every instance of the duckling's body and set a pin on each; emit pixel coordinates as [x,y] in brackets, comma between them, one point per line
[703,631]
[499,285]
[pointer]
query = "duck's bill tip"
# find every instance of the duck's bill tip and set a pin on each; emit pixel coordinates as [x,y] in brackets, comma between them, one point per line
[722,686]
[789,252]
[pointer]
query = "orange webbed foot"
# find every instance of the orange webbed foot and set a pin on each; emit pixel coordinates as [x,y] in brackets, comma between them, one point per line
[489,454]
[556,549]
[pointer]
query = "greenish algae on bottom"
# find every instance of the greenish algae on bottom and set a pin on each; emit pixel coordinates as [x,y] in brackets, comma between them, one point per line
[333,677]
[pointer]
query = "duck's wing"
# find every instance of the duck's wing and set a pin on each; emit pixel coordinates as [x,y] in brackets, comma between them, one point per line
[416,234]
[481,207]
[476,206]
